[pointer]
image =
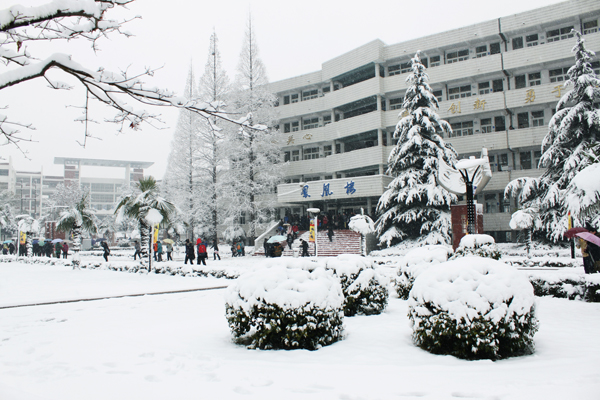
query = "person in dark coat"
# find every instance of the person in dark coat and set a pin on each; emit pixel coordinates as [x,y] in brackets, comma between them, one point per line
[189,252]
[57,249]
[215,247]
[48,248]
[305,248]
[106,250]
[138,250]
[290,240]
[11,248]
[330,231]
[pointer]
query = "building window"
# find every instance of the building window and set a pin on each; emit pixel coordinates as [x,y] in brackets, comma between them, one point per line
[481,51]
[295,155]
[459,91]
[503,162]
[559,74]
[327,150]
[394,70]
[497,85]
[504,204]
[525,159]
[295,126]
[596,67]
[310,153]
[531,40]
[462,128]
[435,61]
[396,104]
[484,88]
[310,123]
[286,156]
[535,79]
[499,123]
[517,43]
[495,48]
[559,34]
[287,128]
[286,100]
[491,203]
[590,27]
[520,81]
[326,119]
[523,120]
[310,94]
[294,98]
[326,89]
[3,172]
[486,125]
[537,118]
[438,94]
[456,56]
[405,67]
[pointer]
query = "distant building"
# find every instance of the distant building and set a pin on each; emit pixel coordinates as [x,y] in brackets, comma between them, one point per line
[497,83]
[33,189]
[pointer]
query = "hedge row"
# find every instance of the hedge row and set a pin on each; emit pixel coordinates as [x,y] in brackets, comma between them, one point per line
[567,286]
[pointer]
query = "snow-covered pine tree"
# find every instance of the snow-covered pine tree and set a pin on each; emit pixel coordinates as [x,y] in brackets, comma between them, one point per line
[212,156]
[255,163]
[572,132]
[414,206]
[181,182]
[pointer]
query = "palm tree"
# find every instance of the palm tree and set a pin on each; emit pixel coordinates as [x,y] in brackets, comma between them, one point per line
[147,207]
[77,218]
[31,227]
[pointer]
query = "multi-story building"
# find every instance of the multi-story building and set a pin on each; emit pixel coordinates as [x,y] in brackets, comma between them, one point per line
[33,189]
[497,83]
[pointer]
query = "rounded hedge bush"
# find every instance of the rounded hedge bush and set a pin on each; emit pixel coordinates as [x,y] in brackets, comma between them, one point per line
[285,308]
[415,262]
[477,245]
[473,308]
[365,291]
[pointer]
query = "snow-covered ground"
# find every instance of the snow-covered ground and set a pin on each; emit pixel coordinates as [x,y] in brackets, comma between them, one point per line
[178,346]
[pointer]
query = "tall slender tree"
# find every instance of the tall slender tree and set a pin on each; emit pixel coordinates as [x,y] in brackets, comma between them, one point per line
[572,132]
[212,157]
[182,178]
[256,163]
[414,206]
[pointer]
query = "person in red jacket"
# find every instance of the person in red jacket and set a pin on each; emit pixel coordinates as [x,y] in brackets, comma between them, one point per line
[202,253]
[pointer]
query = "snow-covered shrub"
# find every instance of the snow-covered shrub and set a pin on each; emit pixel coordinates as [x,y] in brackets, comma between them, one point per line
[415,262]
[477,245]
[473,308]
[285,308]
[565,285]
[365,291]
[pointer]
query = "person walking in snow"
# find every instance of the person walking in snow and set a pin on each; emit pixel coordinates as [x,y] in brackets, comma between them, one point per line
[65,249]
[202,254]
[330,231]
[57,249]
[215,247]
[169,251]
[189,252]
[159,250]
[138,250]
[290,240]
[106,250]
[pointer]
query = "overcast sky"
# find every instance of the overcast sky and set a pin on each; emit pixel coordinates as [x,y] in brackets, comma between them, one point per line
[294,38]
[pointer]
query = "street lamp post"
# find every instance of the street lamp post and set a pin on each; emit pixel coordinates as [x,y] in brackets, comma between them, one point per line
[315,212]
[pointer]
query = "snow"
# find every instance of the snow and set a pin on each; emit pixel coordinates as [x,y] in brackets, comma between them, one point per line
[429,254]
[179,346]
[476,240]
[521,220]
[584,189]
[362,224]
[469,163]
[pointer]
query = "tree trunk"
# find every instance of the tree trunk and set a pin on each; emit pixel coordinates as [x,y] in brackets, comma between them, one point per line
[29,244]
[144,241]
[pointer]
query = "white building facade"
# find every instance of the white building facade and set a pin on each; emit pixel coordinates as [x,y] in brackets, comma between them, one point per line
[497,83]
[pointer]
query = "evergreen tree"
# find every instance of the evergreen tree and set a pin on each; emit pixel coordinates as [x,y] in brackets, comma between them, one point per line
[414,206]
[255,164]
[182,177]
[212,156]
[572,132]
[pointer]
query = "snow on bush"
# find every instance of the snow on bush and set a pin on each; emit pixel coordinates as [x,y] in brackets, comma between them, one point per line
[277,307]
[365,291]
[473,308]
[477,245]
[415,262]
[566,285]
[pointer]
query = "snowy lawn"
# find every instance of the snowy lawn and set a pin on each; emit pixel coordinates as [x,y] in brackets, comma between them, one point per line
[178,346]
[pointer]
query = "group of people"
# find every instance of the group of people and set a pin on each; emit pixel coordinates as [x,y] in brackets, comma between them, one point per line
[201,249]
[8,248]
[158,250]
[39,249]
